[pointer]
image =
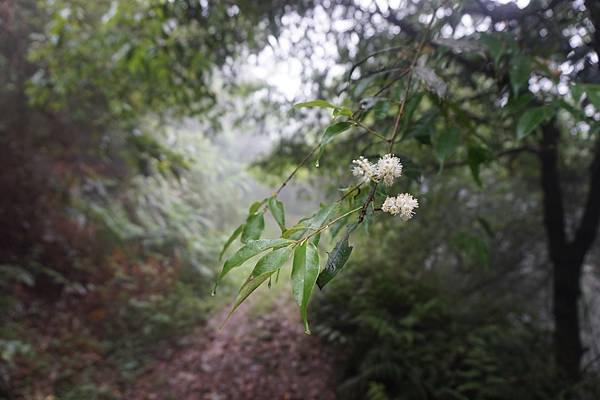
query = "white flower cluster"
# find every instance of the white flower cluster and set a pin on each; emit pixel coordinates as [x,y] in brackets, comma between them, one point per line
[403,204]
[364,170]
[387,169]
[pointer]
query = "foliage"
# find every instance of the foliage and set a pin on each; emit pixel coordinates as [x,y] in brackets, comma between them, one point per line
[115,220]
[480,85]
[406,338]
[418,318]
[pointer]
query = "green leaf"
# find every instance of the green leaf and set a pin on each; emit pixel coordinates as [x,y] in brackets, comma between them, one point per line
[272,261]
[494,45]
[255,225]
[447,143]
[251,284]
[298,269]
[423,127]
[255,206]
[311,223]
[335,262]
[382,107]
[337,227]
[411,107]
[476,155]
[334,130]
[233,236]
[520,69]
[516,105]
[277,211]
[593,94]
[532,118]
[315,239]
[250,250]
[305,271]
[343,111]
[316,103]
[577,91]
[322,216]
[331,132]
[577,112]
[295,232]
[487,227]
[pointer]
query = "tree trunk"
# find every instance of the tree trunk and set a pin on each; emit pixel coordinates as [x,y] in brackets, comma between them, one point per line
[565,267]
[567,256]
[567,342]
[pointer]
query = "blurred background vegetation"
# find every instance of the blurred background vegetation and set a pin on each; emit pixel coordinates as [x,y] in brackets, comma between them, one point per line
[135,134]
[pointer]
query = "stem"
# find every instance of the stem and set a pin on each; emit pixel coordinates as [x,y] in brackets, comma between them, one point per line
[365,206]
[370,130]
[348,193]
[408,84]
[326,226]
[289,178]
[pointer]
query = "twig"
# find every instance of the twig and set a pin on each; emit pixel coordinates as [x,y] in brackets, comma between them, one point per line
[326,226]
[408,84]
[365,206]
[348,193]
[370,130]
[289,178]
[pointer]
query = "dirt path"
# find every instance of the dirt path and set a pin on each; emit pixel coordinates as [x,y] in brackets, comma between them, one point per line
[254,356]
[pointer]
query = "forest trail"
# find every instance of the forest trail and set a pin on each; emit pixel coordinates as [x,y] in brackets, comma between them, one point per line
[256,355]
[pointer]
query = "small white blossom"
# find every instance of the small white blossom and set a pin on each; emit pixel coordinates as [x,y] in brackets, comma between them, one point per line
[389,205]
[364,170]
[403,204]
[407,203]
[388,168]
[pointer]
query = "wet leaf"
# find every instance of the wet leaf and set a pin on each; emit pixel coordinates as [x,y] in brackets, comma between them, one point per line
[250,250]
[251,284]
[331,132]
[494,45]
[324,214]
[305,271]
[520,68]
[295,232]
[476,155]
[531,119]
[343,111]
[277,211]
[233,236]
[335,262]
[254,227]
[255,206]
[272,261]
[315,103]
[592,92]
